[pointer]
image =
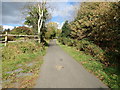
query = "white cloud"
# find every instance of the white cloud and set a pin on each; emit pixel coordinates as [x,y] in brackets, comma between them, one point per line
[7,27]
[62,9]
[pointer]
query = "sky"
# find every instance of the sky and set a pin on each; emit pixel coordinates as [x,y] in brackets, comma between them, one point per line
[61,11]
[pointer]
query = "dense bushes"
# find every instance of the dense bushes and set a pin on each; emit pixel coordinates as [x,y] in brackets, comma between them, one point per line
[12,50]
[66,41]
[99,22]
[86,46]
[96,31]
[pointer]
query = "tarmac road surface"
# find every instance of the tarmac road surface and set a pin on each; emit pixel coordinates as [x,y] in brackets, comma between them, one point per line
[60,70]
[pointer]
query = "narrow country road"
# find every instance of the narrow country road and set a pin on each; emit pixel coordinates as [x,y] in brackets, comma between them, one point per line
[61,71]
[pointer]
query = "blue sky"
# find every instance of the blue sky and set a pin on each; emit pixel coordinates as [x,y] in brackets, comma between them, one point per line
[61,11]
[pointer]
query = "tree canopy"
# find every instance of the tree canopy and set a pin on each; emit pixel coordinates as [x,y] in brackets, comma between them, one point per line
[37,16]
[65,30]
[52,28]
[22,30]
[98,22]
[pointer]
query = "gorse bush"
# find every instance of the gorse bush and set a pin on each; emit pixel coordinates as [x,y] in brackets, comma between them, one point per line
[12,50]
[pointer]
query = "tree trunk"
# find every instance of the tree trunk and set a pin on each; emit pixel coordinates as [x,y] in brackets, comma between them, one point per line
[40,21]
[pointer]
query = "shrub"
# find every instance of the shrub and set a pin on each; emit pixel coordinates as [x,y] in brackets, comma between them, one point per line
[11,38]
[86,46]
[92,49]
[12,50]
[66,41]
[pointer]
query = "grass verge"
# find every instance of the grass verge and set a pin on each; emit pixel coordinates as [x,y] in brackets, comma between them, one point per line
[21,69]
[1,44]
[109,75]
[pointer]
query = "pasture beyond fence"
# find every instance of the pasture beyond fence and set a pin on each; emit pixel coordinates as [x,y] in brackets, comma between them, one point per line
[10,35]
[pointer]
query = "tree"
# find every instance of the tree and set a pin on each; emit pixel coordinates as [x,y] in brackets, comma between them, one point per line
[99,22]
[58,33]
[37,15]
[52,28]
[65,30]
[22,30]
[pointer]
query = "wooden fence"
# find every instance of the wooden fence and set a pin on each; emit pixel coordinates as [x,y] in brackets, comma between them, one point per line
[6,37]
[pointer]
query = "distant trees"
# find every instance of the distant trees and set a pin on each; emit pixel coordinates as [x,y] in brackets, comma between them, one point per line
[65,30]
[52,28]
[22,30]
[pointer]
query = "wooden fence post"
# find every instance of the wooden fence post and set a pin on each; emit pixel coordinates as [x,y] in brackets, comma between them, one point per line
[39,39]
[6,37]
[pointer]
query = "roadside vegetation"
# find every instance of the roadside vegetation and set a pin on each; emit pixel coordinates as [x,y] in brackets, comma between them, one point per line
[93,39]
[108,74]
[21,62]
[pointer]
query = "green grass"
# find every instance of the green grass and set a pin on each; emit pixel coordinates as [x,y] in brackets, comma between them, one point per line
[109,75]
[2,44]
[21,61]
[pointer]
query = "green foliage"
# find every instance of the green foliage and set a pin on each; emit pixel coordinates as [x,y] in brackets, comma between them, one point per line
[22,30]
[12,50]
[66,41]
[52,28]
[99,22]
[11,38]
[92,49]
[16,59]
[65,30]
[96,32]
[86,46]
[109,75]
[32,19]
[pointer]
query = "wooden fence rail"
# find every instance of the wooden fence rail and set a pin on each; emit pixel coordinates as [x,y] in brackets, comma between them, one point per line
[6,37]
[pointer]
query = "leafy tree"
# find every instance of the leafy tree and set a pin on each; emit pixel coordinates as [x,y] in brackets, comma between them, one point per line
[51,30]
[65,30]
[58,33]
[22,30]
[37,15]
[99,22]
